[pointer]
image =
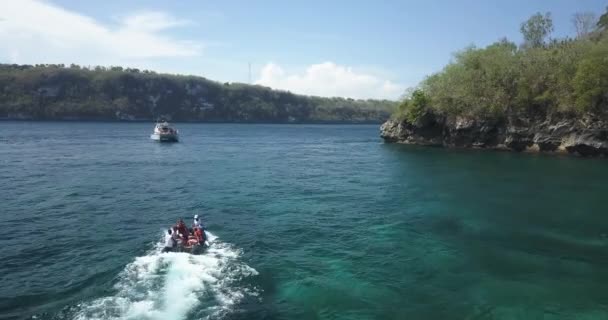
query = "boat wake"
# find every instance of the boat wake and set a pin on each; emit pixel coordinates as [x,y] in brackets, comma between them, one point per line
[176,286]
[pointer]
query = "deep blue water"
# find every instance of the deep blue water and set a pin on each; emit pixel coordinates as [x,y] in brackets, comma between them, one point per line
[307,221]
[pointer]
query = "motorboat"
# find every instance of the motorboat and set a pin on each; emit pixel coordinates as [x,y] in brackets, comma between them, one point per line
[163,132]
[190,244]
[190,240]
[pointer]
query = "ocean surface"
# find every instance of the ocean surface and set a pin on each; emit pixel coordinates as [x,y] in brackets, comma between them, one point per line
[305,221]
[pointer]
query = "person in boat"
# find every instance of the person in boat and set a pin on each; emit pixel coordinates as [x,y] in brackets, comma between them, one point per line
[192,241]
[183,230]
[200,235]
[169,241]
[197,222]
[177,239]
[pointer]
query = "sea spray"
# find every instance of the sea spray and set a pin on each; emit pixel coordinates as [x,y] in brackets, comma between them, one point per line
[173,285]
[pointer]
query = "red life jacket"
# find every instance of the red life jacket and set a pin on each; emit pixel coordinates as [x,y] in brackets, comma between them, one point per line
[199,235]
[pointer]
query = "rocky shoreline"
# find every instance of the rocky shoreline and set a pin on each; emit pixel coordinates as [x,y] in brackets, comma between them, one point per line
[557,134]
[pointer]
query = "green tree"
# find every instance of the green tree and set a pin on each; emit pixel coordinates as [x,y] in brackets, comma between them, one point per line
[478,82]
[584,23]
[536,29]
[602,23]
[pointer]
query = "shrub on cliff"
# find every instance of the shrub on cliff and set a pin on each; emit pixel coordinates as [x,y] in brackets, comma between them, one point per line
[591,79]
[478,82]
[413,107]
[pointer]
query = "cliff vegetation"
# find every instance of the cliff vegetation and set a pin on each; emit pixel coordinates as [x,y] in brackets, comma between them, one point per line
[542,75]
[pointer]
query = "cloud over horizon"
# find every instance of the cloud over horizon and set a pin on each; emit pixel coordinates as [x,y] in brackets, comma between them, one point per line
[40,32]
[329,79]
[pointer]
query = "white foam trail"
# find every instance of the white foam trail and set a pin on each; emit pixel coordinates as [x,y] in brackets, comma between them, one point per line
[172,285]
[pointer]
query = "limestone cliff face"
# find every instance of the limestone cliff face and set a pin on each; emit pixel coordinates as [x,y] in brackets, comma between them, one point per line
[583,135]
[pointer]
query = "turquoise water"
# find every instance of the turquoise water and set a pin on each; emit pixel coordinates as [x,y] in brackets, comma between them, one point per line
[307,222]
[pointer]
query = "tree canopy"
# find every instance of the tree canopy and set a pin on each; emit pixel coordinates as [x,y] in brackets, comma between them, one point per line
[584,23]
[536,29]
[561,75]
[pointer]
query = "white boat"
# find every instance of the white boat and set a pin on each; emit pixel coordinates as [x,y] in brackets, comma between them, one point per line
[163,132]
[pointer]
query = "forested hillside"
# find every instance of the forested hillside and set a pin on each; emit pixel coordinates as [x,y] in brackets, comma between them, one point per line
[58,92]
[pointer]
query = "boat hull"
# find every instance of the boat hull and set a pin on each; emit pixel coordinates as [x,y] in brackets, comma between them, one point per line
[164,137]
[195,249]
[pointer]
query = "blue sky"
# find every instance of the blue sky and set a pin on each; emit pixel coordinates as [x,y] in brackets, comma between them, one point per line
[362,49]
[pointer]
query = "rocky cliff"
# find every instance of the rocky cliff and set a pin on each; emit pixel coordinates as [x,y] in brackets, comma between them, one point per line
[559,133]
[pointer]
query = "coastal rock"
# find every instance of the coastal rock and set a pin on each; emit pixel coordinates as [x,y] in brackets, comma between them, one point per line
[584,136]
[586,144]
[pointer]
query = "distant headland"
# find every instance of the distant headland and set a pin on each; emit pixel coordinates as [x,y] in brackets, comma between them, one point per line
[59,92]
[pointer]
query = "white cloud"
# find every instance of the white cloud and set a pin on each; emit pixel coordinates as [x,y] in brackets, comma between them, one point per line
[330,79]
[40,32]
[153,21]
